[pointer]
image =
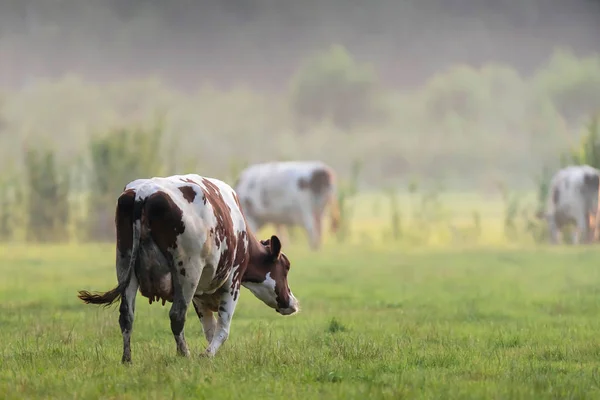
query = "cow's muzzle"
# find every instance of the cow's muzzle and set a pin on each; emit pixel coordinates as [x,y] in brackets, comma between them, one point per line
[287,311]
[292,308]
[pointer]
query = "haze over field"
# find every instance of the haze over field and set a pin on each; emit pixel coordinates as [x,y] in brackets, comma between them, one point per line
[466,92]
[260,43]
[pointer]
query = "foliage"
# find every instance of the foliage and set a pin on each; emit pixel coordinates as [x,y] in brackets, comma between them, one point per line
[11,207]
[467,126]
[47,197]
[571,83]
[505,124]
[118,157]
[588,150]
[332,85]
[395,213]
[347,190]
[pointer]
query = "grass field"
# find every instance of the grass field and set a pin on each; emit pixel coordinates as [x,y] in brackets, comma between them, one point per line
[377,322]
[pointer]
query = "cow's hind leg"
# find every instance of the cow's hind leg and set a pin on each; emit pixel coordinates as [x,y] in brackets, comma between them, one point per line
[124,220]
[318,217]
[185,282]
[582,233]
[126,314]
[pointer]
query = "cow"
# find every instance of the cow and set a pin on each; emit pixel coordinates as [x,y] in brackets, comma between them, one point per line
[289,193]
[573,198]
[184,239]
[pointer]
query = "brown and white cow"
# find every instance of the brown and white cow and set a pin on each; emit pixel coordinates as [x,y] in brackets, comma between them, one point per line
[573,198]
[289,193]
[184,239]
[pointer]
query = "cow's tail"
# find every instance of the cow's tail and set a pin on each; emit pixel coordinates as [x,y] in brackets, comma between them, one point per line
[108,298]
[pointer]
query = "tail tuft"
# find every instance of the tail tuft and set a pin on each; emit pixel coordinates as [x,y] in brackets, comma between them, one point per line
[107,298]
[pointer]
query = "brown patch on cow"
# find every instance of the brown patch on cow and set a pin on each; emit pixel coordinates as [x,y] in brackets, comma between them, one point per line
[182,271]
[555,195]
[164,219]
[240,260]
[162,223]
[188,193]
[591,182]
[124,221]
[188,180]
[223,229]
[180,263]
[319,180]
[237,201]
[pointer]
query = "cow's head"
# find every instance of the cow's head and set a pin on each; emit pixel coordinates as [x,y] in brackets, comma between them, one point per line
[266,277]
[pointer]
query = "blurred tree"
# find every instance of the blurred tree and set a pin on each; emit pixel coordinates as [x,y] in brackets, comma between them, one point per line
[571,83]
[48,197]
[117,158]
[332,85]
[588,149]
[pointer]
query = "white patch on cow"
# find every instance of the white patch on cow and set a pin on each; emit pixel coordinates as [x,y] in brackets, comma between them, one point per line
[571,201]
[265,290]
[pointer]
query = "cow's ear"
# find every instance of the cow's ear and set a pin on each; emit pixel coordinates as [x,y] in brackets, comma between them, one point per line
[275,247]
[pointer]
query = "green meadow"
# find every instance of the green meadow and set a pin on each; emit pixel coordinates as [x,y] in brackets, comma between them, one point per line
[381,318]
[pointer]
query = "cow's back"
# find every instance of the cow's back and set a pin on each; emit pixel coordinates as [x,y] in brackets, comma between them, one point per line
[279,190]
[211,231]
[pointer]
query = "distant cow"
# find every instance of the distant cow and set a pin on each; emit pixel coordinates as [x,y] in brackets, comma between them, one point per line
[573,198]
[289,193]
[184,239]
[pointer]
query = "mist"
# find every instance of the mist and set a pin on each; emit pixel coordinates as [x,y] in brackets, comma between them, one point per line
[260,43]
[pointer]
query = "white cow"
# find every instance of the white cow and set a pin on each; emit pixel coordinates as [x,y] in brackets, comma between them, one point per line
[184,239]
[573,198]
[289,193]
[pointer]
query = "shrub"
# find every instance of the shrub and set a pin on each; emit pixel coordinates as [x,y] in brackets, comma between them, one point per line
[332,85]
[11,199]
[118,157]
[588,150]
[48,197]
[571,83]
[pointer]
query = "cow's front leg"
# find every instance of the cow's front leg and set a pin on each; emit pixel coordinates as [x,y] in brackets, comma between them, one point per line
[581,234]
[554,230]
[227,304]
[207,319]
[308,222]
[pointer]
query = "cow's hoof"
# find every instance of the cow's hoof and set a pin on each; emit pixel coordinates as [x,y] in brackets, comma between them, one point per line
[207,354]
